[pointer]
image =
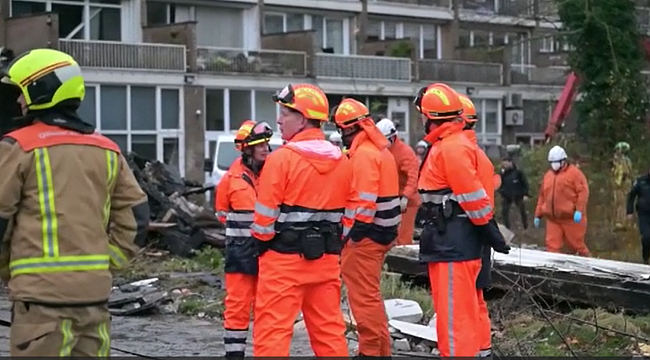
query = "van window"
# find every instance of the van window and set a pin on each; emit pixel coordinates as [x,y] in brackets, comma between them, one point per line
[227,154]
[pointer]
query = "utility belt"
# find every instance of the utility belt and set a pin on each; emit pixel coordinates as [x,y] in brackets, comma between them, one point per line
[439,215]
[311,242]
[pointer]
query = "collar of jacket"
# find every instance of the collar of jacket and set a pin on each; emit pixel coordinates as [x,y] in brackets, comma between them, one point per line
[443,131]
[308,134]
[239,168]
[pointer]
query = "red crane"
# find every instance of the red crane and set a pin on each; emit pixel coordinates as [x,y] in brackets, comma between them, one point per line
[563,107]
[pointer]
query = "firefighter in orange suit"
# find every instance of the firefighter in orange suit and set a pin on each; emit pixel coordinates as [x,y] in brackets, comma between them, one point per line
[70,211]
[377,216]
[235,204]
[408,166]
[458,220]
[302,195]
[485,172]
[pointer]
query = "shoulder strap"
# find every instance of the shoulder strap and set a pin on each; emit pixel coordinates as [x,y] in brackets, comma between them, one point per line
[249,181]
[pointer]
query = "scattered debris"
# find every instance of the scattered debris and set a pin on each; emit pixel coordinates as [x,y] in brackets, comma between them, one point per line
[177,225]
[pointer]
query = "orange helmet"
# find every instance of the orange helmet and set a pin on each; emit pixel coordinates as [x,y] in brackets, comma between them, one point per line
[307,99]
[469,110]
[348,113]
[438,102]
[251,133]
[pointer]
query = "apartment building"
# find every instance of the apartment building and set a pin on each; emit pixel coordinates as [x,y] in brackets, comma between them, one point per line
[166,78]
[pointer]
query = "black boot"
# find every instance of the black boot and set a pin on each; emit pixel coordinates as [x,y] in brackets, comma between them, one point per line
[235,343]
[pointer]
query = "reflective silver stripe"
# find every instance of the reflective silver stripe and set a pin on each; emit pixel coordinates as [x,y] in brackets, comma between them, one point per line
[235,347]
[388,205]
[388,222]
[334,217]
[366,212]
[266,211]
[349,213]
[450,309]
[473,196]
[346,230]
[238,232]
[239,216]
[437,198]
[477,214]
[263,229]
[235,334]
[367,196]
[221,214]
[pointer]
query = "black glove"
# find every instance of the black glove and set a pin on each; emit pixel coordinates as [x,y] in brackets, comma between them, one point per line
[492,236]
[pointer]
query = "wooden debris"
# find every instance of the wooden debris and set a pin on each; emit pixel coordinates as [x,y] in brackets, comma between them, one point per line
[177,225]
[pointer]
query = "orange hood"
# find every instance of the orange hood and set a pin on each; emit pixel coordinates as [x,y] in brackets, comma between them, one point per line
[320,153]
[471,135]
[370,133]
[443,130]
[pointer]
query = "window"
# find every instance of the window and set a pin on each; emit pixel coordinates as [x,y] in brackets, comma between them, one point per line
[491,116]
[88,20]
[429,42]
[390,30]
[214,110]
[157,13]
[463,38]
[265,108]
[142,119]
[480,38]
[329,34]
[240,107]
[277,23]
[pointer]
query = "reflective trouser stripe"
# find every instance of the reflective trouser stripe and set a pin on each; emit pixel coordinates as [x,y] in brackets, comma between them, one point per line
[49,225]
[118,259]
[68,338]
[59,264]
[111,171]
[105,338]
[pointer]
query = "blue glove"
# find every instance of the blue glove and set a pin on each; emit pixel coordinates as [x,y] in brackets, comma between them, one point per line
[536,222]
[577,216]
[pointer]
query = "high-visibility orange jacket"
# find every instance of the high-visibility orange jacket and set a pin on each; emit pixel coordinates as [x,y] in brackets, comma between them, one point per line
[235,204]
[376,190]
[450,175]
[301,184]
[408,165]
[562,194]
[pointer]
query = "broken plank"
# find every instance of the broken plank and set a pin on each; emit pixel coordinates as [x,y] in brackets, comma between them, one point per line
[159,225]
[609,284]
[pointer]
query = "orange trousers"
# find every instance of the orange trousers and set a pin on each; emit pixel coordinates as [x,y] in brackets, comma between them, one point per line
[561,232]
[288,284]
[361,264]
[484,326]
[453,289]
[240,298]
[406,227]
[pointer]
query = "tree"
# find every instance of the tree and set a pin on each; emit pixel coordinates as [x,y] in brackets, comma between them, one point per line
[608,59]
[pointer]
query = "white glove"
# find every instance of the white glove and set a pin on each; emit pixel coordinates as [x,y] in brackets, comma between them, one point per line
[403,201]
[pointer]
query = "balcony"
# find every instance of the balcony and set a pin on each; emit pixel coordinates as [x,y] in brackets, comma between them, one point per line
[259,62]
[516,8]
[533,75]
[433,3]
[362,67]
[118,55]
[459,71]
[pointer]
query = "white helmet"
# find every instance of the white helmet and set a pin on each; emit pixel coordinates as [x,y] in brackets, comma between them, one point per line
[422,143]
[335,137]
[387,127]
[556,153]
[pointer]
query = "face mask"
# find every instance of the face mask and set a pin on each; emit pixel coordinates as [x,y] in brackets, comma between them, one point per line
[556,166]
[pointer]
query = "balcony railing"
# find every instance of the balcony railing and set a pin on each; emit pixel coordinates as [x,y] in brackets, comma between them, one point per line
[118,55]
[259,62]
[433,3]
[532,75]
[362,67]
[461,71]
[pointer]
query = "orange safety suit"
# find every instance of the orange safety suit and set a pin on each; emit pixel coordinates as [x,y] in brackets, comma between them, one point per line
[302,196]
[235,204]
[560,196]
[485,172]
[70,209]
[408,166]
[376,219]
[460,215]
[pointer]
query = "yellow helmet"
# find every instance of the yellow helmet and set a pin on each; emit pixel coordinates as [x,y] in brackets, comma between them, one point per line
[46,77]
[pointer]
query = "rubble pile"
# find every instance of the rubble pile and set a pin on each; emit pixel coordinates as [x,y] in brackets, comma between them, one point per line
[177,224]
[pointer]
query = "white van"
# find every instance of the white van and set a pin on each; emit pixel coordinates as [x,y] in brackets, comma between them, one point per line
[225,153]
